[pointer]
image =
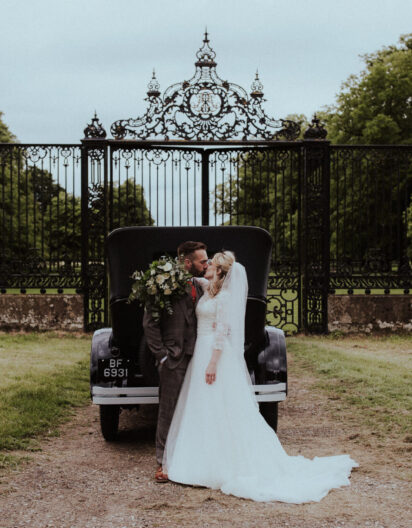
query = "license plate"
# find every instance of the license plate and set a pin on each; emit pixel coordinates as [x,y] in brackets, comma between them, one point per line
[113,369]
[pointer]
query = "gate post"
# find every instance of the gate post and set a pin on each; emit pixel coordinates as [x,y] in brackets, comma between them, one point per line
[205,188]
[316,228]
[94,221]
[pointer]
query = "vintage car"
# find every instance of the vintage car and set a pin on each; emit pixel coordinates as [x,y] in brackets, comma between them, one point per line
[122,370]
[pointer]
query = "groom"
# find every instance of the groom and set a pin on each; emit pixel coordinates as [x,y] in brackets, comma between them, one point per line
[172,341]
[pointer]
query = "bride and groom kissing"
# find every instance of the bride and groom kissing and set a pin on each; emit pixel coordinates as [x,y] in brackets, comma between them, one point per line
[209,431]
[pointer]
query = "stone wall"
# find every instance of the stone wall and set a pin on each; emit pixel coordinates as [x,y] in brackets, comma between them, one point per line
[41,312]
[370,313]
[347,313]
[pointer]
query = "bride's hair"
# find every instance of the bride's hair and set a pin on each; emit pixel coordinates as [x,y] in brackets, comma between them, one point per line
[223,262]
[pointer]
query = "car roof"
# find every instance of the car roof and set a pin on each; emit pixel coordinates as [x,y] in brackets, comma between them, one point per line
[134,248]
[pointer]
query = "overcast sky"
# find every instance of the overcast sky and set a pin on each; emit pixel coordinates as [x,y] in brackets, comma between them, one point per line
[63,59]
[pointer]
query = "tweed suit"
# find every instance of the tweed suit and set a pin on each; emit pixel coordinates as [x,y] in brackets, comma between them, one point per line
[173,338]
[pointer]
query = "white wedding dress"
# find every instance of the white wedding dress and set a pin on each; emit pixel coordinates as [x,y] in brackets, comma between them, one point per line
[218,438]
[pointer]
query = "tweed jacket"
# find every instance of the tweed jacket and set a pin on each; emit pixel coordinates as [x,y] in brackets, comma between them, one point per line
[173,336]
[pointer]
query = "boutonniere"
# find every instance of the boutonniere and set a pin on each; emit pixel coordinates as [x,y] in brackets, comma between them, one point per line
[165,280]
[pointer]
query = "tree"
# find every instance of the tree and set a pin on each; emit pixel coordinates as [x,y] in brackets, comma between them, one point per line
[39,215]
[129,205]
[5,135]
[262,191]
[375,107]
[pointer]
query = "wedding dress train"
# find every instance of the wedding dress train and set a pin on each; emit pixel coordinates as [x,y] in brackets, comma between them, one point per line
[218,438]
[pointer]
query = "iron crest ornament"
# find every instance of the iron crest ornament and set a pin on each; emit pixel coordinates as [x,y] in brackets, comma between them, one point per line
[315,130]
[205,108]
[95,130]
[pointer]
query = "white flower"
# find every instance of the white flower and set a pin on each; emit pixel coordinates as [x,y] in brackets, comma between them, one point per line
[168,292]
[166,267]
[160,279]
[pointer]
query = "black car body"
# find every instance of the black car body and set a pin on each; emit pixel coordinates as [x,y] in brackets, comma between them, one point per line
[122,370]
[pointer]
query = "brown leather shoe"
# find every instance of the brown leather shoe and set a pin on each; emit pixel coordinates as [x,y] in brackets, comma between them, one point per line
[161,477]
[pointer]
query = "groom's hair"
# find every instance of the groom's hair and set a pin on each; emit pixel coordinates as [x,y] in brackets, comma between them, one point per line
[186,249]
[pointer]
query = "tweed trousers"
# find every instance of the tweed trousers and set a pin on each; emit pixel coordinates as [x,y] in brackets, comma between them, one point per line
[170,383]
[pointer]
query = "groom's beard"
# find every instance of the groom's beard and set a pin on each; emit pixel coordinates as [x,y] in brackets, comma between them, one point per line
[197,273]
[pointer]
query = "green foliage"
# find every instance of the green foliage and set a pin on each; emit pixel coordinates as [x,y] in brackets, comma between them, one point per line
[375,107]
[264,193]
[41,218]
[37,213]
[5,135]
[129,205]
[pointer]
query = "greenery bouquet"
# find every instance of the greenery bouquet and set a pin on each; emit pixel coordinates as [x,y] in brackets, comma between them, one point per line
[165,280]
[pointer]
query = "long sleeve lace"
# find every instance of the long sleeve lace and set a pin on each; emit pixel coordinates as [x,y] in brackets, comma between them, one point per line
[222,322]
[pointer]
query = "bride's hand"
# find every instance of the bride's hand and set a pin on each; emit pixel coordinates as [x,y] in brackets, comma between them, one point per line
[211,372]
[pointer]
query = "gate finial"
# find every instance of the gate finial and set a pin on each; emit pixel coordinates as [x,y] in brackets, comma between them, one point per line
[94,130]
[316,129]
[256,87]
[153,86]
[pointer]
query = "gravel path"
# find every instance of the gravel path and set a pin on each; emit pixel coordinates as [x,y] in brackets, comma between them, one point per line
[80,481]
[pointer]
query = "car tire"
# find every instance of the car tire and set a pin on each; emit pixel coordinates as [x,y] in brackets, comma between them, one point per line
[269,411]
[109,421]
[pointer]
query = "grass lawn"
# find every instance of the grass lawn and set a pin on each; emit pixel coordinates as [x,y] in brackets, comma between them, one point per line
[44,376]
[368,377]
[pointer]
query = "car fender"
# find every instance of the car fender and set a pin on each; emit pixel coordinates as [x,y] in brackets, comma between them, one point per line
[100,349]
[272,362]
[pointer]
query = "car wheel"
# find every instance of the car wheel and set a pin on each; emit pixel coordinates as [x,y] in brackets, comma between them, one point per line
[109,421]
[269,411]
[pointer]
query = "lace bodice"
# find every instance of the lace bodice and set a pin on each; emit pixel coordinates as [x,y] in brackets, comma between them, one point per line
[206,314]
[211,319]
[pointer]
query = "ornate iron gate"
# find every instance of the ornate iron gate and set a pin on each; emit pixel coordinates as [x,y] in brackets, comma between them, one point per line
[279,186]
[206,153]
[235,165]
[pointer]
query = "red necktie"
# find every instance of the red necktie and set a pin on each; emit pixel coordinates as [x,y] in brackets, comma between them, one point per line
[193,292]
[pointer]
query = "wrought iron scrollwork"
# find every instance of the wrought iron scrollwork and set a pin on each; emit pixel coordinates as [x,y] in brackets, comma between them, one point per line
[96,281]
[205,108]
[315,232]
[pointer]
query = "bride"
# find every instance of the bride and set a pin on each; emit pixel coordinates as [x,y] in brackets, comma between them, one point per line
[218,438]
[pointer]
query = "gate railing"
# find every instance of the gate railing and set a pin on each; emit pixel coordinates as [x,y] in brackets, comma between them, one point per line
[40,236]
[371,222]
[339,215]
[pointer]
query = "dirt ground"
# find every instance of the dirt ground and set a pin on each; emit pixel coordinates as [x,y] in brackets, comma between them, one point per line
[78,480]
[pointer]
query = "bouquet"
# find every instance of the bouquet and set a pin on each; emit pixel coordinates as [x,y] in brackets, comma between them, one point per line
[165,280]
